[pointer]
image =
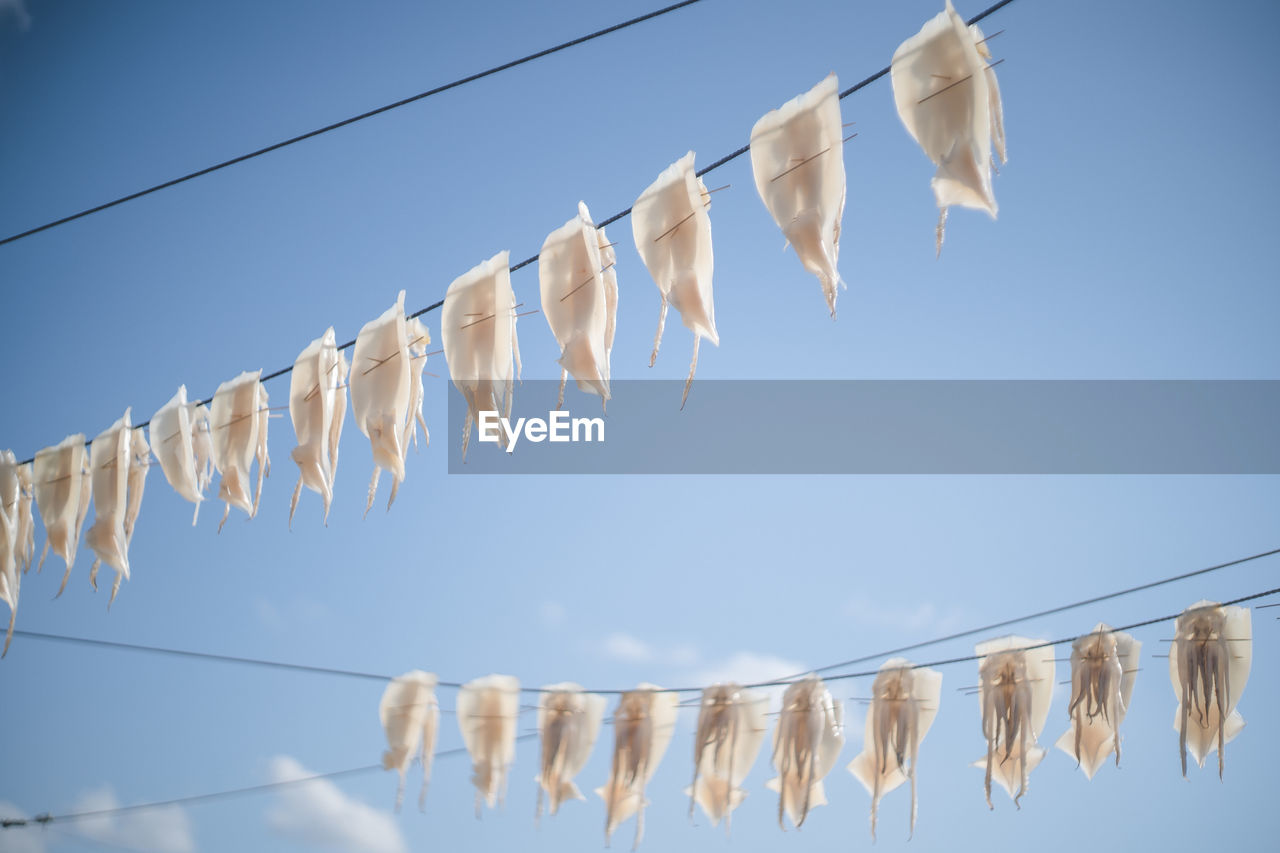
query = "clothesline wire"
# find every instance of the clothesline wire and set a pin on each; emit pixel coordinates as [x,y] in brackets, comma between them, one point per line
[789,679]
[353,119]
[45,819]
[520,264]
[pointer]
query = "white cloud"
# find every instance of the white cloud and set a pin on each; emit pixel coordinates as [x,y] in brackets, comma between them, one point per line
[748,668]
[925,617]
[551,614]
[20,839]
[18,9]
[319,814]
[164,829]
[627,648]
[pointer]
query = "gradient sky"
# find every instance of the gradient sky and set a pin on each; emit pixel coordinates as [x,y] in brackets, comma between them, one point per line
[1135,241]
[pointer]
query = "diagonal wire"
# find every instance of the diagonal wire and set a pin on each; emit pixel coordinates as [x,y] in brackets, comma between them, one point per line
[728,158]
[369,114]
[788,679]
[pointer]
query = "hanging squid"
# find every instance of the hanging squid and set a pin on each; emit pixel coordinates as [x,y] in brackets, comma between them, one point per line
[1015,690]
[672,231]
[904,702]
[174,429]
[576,303]
[317,407]
[478,332]
[238,431]
[1209,664]
[139,466]
[731,729]
[806,743]
[110,464]
[10,544]
[947,96]
[797,157]
[568,723]
[62,494]
[410,717]
[25,543]
[1104,666]
[419,338]
[381,376]
[643,724]
[609,258]
[487,709]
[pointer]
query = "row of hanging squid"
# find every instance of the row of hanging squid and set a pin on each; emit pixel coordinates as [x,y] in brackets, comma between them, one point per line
[1209,662]
[947,98]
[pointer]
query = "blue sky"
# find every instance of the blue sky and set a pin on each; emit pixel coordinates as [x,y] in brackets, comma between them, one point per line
[1134,242]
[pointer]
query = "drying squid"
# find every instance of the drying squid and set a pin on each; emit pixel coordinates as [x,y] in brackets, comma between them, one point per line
[568,723]
[172,441]
[571,276]
[806,743]
[237,430]
[419,338]
[488,708]
[62,494]
[410,717]
[672,231]
[10,576]
[25,541]
[478,332]
[139,466]
[317,407]
[110,457]
[1209,664]
[731,729]
[947,96]
[380,391]
[1104,666]
[797,157]
[609,258]
[1015,690]
[643,724]
[904,702]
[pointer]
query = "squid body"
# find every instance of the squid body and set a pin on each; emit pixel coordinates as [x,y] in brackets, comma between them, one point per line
[643,724]
[1104,666]
[238,419]
[797,157]
[62,492]
[12,533]
[112,462]
[478,332]
[577,303]
[731,729]
[1209,664]
[948,98]
[904,702]
[317,407]
[175,430]
[410,718]
[487,709]
[806,743]
[672,231]
[381,388]
[568,724]
[1015,691]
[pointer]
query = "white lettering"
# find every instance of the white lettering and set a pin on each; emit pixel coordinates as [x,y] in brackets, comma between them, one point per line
[513,435]
[559,425]
[489,426]
[536,430]
[587,425]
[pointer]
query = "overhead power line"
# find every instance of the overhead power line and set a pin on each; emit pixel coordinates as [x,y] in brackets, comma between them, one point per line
[45,819]
[616,691]
[728,158]
[353,119]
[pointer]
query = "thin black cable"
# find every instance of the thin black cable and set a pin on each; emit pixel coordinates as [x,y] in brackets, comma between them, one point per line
[45,819]
[519,264]
[371,113]
[789,679]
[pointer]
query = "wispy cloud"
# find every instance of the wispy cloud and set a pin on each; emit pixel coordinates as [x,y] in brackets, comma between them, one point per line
[164,829]
[20,839]
[319,814]
[625,647]
[922,618]
[16,9]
